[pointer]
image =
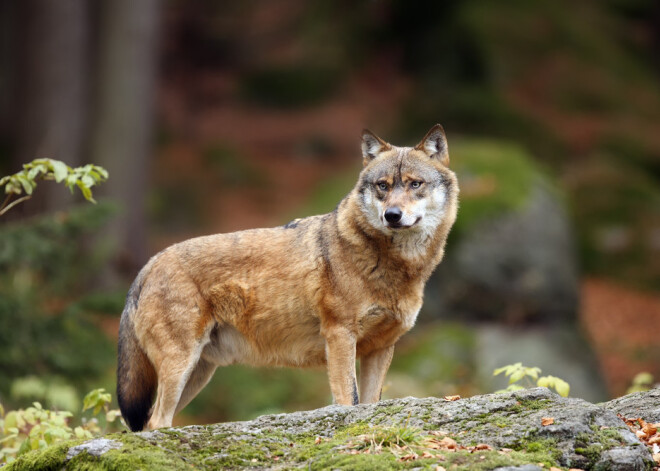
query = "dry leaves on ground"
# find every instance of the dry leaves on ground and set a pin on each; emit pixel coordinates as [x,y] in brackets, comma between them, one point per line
[647,433]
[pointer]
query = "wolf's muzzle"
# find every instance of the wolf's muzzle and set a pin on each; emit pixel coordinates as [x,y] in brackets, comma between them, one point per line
[393,215]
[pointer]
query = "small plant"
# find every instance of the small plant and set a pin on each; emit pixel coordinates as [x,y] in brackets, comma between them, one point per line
[25,181]
[34,428]
[529,376]
[641,382]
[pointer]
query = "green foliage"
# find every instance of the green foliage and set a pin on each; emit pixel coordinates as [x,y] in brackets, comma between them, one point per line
[641,382]
[54,393]
[45,323]
[25,181]
[36,428]
[97,399]
[530,376]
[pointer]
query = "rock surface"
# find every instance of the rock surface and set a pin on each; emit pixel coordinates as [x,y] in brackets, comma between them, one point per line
[530,429]
[519,266]
[640,404]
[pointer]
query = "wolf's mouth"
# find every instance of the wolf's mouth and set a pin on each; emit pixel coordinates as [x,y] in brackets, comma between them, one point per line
[398,226]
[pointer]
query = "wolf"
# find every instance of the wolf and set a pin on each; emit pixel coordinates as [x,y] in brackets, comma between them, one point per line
[323,290]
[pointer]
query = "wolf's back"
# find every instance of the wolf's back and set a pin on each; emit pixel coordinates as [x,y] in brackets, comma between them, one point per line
[136,377]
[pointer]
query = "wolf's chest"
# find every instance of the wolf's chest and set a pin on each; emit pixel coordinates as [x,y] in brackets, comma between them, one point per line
[380,327]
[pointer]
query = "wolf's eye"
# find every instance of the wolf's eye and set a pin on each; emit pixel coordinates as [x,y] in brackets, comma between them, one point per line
[382,186]
[415,184]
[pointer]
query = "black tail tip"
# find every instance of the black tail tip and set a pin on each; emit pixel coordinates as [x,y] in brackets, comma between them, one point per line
[134,412]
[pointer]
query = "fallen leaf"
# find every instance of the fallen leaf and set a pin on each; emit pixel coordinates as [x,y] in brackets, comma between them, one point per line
[440,468]
[408,457]
[452,398]
[655,439]
[649,429]
[448,443]
[552,468]
[318,440]
[426,454]
[483,446]
[545,421]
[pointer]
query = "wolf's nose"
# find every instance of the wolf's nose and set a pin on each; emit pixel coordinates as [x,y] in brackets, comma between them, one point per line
[393,215]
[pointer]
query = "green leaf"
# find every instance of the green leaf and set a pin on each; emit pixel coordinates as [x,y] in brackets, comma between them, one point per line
[34,171]
[562,387]
[544,382]
[91,399]
[24,448]
[103,172]
[499,370]
[11,421]
[87,193]
[517,376]
[25,183]
[88,181]
[533,372]
[60,170]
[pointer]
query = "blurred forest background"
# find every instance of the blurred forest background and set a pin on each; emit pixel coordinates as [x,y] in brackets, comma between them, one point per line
[220,116]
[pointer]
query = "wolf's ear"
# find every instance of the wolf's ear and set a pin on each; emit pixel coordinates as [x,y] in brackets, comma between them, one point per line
[372,145]
[434,145]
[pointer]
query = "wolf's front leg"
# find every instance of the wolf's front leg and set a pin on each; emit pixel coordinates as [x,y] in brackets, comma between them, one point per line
[340,356]
[373,368]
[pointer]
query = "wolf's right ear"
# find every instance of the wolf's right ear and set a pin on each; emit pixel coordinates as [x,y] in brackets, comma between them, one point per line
[372,145]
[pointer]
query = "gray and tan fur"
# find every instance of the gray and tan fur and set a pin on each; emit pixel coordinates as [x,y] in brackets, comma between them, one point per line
[323,290]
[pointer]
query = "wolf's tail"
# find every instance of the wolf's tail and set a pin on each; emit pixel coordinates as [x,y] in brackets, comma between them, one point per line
[136,377]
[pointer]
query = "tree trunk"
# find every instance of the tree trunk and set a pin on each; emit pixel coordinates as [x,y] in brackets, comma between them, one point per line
[122,129]
[52,89]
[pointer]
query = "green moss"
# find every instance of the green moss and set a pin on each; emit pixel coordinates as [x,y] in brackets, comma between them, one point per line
[545,449]
[358,462]
[481,461]
[592,445]
[51,458]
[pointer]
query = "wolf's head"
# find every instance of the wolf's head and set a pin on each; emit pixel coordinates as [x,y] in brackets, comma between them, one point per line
[407,188]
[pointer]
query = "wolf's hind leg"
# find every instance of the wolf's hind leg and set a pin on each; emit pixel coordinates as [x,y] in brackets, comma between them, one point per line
[173,375]
[198,379]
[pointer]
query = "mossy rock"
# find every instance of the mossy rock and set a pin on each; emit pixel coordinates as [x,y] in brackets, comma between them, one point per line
[493,431]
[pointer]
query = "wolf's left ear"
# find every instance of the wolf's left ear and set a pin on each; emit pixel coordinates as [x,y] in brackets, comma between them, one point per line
[372,145]
[434,145]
